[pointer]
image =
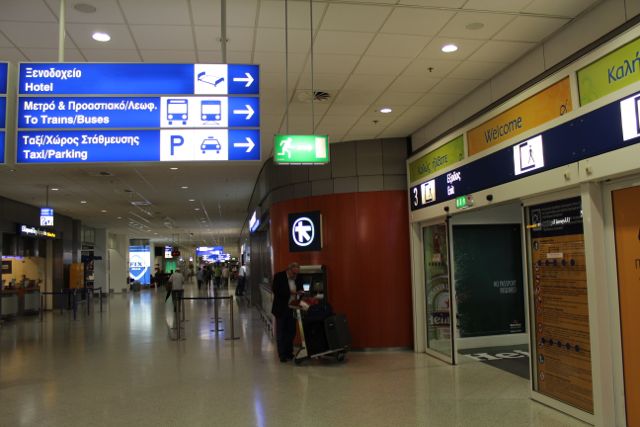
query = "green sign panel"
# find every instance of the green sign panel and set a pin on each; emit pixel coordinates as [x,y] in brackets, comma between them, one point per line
[450,153]
[301,149]
[614,71]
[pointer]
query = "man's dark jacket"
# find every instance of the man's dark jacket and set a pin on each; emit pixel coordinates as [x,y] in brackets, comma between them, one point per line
[281,293]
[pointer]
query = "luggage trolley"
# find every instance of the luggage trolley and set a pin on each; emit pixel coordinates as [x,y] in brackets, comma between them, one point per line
[321,335]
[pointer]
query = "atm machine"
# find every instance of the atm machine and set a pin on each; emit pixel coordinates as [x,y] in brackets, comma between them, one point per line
[314,280]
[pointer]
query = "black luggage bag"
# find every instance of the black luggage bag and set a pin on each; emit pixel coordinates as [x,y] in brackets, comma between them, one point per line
[337,332]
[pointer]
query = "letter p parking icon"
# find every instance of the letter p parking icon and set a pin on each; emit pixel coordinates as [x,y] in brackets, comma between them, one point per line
[176,141]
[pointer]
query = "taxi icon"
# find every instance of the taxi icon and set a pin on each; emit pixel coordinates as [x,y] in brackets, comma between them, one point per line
[210,143]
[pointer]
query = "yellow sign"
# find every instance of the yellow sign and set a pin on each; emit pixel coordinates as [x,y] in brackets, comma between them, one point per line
[552,102]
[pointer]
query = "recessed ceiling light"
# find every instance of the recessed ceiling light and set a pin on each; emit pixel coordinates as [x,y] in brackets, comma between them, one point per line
[55,189]
[386,110]
[103,211]
[119,217]
[173,169]
[184,187]
[449,48]
[101,37]
[84,8]
[192,200]
[83,202]
[196,209]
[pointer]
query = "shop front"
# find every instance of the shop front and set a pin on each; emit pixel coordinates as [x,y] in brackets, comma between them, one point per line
[526,244]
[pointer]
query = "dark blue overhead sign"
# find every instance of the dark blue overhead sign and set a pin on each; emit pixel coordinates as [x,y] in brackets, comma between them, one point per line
[195,121]
[138,79]
[4,71]
[95,146]
[137,112]
[578,139]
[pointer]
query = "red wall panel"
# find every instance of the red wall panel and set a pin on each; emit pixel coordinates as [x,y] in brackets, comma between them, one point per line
[366,253]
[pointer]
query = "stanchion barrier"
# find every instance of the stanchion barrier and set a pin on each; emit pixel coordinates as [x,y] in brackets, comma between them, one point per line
[215,309]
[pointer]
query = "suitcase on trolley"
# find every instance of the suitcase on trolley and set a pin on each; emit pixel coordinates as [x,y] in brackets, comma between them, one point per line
[337,331]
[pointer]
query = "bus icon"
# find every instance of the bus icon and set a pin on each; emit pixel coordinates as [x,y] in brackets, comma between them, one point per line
[177,110]
[210,111]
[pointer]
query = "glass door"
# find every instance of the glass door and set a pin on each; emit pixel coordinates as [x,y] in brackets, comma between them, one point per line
[438,291]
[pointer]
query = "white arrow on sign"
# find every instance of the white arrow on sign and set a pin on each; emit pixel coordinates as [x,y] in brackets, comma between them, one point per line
[249,144]
[248,80]
[249,112]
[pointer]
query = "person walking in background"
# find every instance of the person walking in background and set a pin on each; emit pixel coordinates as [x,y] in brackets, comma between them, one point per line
[242,276]
[286,285]
[225,275]
[177,287]
[217,275]
[200,277]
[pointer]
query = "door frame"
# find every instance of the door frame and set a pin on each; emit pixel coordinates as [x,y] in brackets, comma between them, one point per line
[614,296]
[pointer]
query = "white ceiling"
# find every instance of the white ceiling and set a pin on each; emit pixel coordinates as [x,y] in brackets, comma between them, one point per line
[367,54]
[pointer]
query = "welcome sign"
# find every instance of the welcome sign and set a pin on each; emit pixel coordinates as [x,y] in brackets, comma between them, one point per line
[542,107]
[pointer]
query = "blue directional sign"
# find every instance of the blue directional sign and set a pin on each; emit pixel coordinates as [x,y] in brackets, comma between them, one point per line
[4,70]
[95,146]
[190,118]
[138,79]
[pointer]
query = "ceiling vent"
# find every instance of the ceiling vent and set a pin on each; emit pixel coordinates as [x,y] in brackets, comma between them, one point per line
[305,96]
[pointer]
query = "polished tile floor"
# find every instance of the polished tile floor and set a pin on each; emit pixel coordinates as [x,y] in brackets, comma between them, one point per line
[121,368]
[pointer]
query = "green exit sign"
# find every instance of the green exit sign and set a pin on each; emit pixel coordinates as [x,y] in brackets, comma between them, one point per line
[463,202]
[301,149]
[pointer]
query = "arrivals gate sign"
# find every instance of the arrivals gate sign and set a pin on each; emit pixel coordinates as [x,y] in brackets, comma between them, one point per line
[86,113]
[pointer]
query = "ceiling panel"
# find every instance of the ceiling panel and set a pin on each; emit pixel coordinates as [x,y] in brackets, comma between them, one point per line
[492,23]
[456,86]
[416,21]
[530,29]
[272,14]
[120,36]
[382,65]
[213,56]
[406,83]
[172,37]
[466,47]
[347,110]
[499,51]
[568,8]
[107,12]
[357,97]
[351,17]
[4,42]
[51,55]
[394,98]
[432,68]
[11,54]
[273,40]
[332,64]
[478,70]
[326,82]
[26,10]
[497,5]
[111,55]
[207,37]
[368,82]
[171,56]
[434,3]
[23,35]
[275,62]
[338,42]
[397,45]
[156,12]
[240,38]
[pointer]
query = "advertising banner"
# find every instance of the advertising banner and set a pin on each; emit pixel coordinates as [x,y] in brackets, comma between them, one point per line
[626,205]
[436,267]
[140,264]
[561,310]
[488,279]
[613,71]
[542,107]
[450,153]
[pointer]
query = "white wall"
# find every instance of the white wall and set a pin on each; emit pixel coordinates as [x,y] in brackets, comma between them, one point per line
[117,264]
